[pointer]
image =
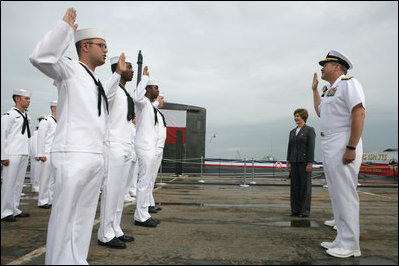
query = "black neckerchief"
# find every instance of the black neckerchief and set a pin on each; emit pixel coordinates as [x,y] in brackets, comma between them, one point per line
[130,104]
[101,91]
[156,117]
[54,118]
[25,125]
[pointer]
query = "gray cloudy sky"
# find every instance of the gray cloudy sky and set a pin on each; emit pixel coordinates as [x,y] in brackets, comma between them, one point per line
[250,64]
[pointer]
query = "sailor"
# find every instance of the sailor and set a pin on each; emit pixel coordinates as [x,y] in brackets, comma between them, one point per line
[342,112]
[77,151]
[118,153]
[131,188]
[15,134]
[146,137]
[160,129]
[45,139]
[35,166]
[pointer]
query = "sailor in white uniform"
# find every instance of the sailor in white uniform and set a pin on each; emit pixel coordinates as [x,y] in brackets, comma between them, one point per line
[146,137]
[15,134]
[131,188]
[45,139]
[118,156]
[35,163]
[342,112]
[160,128]
[77,151]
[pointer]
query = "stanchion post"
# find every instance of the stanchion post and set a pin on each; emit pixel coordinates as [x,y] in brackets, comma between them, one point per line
[202,162]
[253,172]
[245,174]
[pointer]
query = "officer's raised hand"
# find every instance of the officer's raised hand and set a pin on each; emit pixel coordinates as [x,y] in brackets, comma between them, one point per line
[145,71]
[315,82]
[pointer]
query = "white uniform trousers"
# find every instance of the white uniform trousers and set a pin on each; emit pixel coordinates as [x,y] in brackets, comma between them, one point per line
[158,161]
[78,177]
[342,182]
[47,182]
[146,160]
[35,169]
[132,179]
[13,177]
[118,161]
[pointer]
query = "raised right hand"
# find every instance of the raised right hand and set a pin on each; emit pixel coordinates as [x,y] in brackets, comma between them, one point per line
[145,71]
[315,82]
[70,17]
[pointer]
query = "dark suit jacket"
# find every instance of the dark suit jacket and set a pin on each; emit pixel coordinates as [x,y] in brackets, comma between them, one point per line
[301,146]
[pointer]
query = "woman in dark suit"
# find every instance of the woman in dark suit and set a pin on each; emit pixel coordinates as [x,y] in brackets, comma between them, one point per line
[300,157]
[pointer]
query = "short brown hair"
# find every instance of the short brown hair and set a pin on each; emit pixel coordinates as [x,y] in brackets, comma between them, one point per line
[303,113]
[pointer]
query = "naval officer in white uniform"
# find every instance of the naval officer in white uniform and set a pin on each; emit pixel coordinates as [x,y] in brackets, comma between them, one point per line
[77,151]
[342,112]
[118,157]
[15,134]
[146,138]
[45,139]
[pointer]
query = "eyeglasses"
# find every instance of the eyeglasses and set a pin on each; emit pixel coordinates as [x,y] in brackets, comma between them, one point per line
[102,45]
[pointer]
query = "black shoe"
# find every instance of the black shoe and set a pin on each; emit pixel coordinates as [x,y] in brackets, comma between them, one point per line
[45,206]
[114,243]
[295,214]
[303,215]
[158,208]
[149,223]
[126,238]
[156,220]
[151,209]
[23,214]
[9,218]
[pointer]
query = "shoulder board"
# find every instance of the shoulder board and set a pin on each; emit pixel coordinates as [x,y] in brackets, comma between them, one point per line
[68,58]
[6,113]
[347,78]
[45,119]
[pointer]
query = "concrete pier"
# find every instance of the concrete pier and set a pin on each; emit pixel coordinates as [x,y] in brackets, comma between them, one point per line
[219,222]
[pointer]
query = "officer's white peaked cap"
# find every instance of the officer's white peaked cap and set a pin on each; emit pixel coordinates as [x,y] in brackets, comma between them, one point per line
[89,33]
[115,59]
[335,56]
[21,92]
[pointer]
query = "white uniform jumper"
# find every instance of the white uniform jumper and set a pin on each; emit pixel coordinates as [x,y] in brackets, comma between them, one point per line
[77,151]
[14,147]
[160,129]
[335,123]
[119,154]
[35,166]
[145,148]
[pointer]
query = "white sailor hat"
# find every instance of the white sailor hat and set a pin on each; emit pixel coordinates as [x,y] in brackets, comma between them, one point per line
[335,56]
[40,117]
[21,92]
[89,33]
[115,59]
[53,103]
[152,82]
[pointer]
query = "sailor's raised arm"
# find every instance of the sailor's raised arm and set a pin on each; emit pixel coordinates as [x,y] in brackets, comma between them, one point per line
[139,93]
[48,52]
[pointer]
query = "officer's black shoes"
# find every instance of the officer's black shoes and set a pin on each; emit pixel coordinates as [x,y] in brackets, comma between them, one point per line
[45,206]
[9,218]
[148,223]
[126,238]
[152,209]
[23,214]
[114,243]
